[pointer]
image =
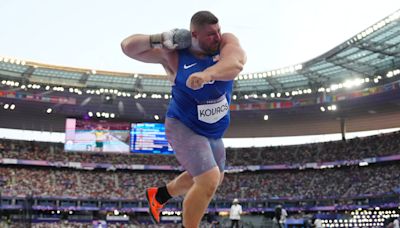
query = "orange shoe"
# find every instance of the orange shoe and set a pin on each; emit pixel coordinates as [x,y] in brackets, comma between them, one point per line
[154,206]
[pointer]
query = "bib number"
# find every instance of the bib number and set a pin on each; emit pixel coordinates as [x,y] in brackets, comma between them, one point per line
[213,111]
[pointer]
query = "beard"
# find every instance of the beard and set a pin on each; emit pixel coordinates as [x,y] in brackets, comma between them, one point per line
[208,50]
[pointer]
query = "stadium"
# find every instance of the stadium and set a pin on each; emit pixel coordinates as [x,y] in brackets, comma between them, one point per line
[77,145]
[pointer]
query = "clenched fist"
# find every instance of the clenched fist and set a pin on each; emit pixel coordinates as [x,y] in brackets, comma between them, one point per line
[197,80]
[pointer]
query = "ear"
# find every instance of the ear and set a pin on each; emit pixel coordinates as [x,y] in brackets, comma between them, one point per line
[194,34]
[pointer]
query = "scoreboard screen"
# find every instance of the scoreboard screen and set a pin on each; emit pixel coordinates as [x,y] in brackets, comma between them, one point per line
[149,138]
[96,136]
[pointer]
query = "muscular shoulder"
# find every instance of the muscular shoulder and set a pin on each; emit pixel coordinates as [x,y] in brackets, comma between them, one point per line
[229,38]
[230,47]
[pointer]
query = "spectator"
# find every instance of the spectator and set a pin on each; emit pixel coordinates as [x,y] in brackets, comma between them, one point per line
[280,216]
[234,213]
[318,223]
[396,223]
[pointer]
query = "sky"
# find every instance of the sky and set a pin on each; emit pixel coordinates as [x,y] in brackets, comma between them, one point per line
[87,33]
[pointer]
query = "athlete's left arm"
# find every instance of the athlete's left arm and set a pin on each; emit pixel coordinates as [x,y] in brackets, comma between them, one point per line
[230,64]
[232,60]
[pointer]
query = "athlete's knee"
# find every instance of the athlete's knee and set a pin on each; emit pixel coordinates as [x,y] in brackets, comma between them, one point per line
[209,181]
[212,186]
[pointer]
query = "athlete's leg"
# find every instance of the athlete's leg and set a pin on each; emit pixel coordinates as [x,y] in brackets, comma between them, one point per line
[180,185]
[199,196]
[204,162]
[193,151]
[218,149]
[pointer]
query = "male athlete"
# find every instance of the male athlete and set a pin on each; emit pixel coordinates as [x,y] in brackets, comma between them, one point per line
[198,113]
[101,135]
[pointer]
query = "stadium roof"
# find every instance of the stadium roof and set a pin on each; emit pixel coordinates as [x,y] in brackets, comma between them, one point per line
[372,52]
[369,53]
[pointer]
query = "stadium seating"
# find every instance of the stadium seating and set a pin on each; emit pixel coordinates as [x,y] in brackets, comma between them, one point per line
[358,148]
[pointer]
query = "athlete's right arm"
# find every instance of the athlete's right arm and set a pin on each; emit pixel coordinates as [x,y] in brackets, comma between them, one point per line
[139,47]
[156,48]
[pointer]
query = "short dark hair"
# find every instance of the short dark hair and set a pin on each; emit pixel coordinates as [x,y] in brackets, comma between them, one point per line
[202,18]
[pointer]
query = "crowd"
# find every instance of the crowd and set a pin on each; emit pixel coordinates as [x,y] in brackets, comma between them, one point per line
[78,183]
[29,150]
[312,184]
[66,224]
[357,148]
[305,184]
[338,182]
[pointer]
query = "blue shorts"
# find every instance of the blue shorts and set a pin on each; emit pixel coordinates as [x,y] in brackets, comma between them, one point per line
[196,153]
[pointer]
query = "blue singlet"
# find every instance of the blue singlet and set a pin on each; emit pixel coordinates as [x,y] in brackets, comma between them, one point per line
[206,110]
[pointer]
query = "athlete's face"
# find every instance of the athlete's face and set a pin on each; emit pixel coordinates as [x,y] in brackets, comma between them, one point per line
[208,37]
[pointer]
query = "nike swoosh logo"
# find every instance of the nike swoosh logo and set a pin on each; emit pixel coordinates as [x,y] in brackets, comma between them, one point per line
[189,66]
